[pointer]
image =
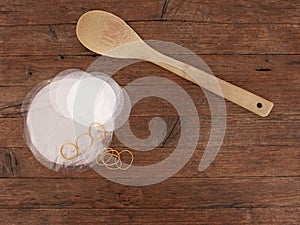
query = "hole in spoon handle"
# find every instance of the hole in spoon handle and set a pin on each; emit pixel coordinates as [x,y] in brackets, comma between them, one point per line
[246,99]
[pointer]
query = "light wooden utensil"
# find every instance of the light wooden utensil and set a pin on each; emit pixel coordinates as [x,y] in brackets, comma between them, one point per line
[103,33]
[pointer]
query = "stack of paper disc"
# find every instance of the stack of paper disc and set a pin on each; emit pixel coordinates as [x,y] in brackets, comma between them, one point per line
[71,118]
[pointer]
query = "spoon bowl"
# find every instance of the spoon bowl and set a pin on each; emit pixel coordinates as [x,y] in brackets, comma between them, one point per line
[102,31]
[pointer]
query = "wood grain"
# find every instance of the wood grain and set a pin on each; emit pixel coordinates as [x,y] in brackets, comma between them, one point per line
[278,11]
[255,177]
[57,12]
[183,193]
[224,11]
[241,131]
[200,38]
[232,161]
[240,69]
[274,77]
[279,215]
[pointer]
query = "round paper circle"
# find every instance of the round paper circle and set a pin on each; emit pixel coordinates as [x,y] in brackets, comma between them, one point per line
[91,99]
[47,131]
[60,87]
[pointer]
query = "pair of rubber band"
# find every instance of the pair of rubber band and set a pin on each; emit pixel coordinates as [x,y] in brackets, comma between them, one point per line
[115,156]
[76,145]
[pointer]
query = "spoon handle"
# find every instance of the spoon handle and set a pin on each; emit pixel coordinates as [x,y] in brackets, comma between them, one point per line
[233,93]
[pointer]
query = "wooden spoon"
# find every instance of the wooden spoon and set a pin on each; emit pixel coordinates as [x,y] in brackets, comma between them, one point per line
[103,33]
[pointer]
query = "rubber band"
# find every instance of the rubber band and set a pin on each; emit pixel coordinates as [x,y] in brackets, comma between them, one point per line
[117,164]
[114,168]
[62,154]
[132,157]
[81,135]
[97,159]
[113,153]
[102,128]
[108,150]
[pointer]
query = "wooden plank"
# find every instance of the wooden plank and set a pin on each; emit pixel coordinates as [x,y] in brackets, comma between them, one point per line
[240,153]
[241,130]
[57,12]
[264,216]
[21,12]
[231,11]
[232,161]
[243,69]
[183,193]
[286,103]
[11,101]
[200,38]
[273,77]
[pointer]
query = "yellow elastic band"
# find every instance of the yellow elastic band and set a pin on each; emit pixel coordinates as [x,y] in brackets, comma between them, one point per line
[62,154]
[102,128]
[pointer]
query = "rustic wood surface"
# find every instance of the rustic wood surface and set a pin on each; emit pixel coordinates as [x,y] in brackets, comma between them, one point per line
[255,178]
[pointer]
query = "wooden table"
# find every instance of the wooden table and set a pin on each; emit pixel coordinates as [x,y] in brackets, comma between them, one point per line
[255,177]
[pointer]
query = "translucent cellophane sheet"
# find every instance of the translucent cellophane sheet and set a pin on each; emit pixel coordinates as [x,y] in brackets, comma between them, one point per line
[69,120]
